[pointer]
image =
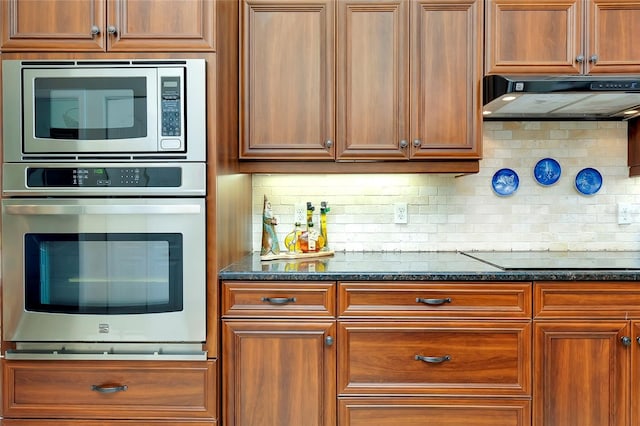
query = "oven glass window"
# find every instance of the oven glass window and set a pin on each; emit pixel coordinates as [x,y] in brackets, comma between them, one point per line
[103,273]
[90,108]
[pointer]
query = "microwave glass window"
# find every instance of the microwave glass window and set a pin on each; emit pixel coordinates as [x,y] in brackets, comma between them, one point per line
[103,273]
[96,108]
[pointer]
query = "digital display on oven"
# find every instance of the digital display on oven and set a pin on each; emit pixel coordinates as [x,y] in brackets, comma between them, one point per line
[93,177]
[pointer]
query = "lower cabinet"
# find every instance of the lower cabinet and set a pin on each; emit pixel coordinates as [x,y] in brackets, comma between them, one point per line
[586,354]
[376,354]
[279,373]
[110,392]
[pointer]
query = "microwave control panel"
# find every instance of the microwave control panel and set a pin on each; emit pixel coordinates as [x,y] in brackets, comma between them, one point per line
[91,177]
[171,106]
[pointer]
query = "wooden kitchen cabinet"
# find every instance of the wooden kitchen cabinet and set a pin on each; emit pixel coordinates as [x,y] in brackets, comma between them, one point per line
[585,371]
[439,412]
[287,93]
[408,78]
[561,37]
[446,351]
[407,83]
[141,391]
[278,353]
[107,25]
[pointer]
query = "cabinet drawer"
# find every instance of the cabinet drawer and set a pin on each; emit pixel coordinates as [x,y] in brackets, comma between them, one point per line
[456,358]
[440,412]
[586,299]
[278,299]
[70,389]
[421,299]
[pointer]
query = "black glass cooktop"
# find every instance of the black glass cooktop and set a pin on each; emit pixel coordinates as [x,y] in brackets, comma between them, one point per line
[560,260]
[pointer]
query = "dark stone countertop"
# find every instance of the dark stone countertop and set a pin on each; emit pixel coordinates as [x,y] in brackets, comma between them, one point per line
[405,266]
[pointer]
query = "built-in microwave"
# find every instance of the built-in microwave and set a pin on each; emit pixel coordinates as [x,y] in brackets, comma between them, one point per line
[120,110]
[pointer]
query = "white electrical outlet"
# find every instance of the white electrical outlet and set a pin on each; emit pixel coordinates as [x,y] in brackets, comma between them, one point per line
[300,213]
[400,213]
[624,214]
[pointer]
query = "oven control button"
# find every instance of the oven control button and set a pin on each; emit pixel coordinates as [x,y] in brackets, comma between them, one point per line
[170,143]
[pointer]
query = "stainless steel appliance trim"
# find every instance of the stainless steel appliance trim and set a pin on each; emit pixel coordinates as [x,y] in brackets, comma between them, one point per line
[14,181]
[34,209]
[104,356]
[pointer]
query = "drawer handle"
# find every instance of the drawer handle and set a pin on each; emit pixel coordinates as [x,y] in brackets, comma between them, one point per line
[108,388]
[433,301]
[433,359]
[279,300]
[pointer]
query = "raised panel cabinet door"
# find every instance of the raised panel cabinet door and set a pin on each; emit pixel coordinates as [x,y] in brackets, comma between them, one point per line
[167,25]
[52,25]
[612,45]
[534,37]
[581,373]
[287,66]
[446,73]
[373,83]
[279,373]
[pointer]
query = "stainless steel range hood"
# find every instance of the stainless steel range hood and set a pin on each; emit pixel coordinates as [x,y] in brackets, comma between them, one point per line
[561,97]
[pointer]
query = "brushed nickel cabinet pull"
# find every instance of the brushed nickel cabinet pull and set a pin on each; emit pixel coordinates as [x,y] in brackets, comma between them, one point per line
[417,143]
[580,59]
[112,30]
[95,30]
[279,300]
[328,340]
[433,301]
[593,59]
[626,340]
[109,388]
[404,143]
[433,359]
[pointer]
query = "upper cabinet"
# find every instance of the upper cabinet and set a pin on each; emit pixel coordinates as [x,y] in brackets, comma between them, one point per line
[408,78]
[561,36]
[107,25]
[361,80]
[287,71]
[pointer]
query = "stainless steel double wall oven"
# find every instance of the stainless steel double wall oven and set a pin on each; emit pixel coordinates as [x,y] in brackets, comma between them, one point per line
[103,210]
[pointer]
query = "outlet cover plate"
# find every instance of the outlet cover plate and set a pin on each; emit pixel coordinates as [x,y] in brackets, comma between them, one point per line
[400,213]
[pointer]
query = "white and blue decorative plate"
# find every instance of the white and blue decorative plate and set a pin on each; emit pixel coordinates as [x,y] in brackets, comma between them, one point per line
[547,171]
[588,181]
[505,182]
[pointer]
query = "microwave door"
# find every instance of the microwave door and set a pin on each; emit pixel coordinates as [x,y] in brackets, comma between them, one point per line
[97,111]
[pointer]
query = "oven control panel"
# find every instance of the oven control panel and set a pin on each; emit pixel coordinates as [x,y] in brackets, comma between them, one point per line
[93,177]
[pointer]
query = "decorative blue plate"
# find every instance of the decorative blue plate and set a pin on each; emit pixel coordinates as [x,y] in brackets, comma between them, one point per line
[588,181]
[547,171]
[505,182]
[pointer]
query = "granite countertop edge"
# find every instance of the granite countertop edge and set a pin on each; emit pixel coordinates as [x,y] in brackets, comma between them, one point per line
[404,268]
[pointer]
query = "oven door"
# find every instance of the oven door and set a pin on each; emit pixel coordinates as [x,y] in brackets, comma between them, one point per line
[104,270]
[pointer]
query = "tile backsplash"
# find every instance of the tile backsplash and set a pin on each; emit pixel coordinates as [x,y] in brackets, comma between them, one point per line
[446,212]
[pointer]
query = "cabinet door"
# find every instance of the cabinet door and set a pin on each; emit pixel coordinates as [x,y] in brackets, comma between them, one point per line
[612,45]
[446,73]
[288,79]
[279,373]
[373,84]
[581,373]
[168,25]
[52,25]
[534,37]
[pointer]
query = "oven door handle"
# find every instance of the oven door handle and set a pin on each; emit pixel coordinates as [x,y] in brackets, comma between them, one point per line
[76,210]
